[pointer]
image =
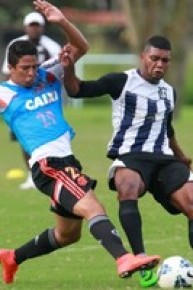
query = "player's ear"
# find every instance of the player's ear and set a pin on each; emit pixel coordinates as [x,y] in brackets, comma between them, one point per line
[10,67]
[142,54]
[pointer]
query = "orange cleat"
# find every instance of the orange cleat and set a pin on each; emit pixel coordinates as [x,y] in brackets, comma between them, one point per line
[7,260]
[151,261]
[129,263]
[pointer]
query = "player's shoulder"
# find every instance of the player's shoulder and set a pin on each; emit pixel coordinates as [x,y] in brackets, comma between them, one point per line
[133,75]
[6,87]
[6,94]
[132,71]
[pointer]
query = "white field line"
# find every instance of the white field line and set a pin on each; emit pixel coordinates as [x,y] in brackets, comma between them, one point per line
[98,247]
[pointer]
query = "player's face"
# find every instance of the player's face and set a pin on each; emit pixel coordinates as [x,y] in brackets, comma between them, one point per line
[24,72]
[154,63]
[34,31]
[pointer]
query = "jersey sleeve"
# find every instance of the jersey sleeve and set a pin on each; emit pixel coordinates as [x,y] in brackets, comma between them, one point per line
[6,95]
[110,84]
[54,66]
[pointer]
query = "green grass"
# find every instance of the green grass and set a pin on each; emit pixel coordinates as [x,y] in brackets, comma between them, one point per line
[85,265]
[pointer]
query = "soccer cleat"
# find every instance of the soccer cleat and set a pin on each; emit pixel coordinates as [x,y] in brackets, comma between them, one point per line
[148,278]
[129,263]
[153,261]
[7,260]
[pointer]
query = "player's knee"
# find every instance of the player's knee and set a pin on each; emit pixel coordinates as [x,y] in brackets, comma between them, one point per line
[128,184]
[184,202]
[189,212]
[89,206]
[65,239]
[189,206]
[189,209]
[127,190]
[70,239]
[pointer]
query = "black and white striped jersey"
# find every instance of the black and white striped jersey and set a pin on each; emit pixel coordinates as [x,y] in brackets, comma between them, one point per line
[141,112]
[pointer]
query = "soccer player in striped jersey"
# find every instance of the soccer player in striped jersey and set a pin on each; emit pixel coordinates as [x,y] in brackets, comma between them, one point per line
[31,105]
[143,147]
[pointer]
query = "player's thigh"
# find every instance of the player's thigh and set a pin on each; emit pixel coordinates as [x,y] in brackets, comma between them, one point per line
[183,199]
[128,180]
[89,206]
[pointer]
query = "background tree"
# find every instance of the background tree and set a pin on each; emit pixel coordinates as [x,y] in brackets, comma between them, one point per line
[170,18]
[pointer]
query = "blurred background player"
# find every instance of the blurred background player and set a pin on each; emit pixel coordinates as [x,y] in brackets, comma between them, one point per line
[34,26]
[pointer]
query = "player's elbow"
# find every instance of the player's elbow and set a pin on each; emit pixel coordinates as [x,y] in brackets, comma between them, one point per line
[85,49]
[82,51]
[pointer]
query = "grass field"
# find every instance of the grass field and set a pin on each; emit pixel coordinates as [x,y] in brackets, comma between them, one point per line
[85,265]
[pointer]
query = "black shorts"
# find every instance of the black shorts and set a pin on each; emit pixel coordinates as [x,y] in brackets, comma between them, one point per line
[161,174]
[61,179]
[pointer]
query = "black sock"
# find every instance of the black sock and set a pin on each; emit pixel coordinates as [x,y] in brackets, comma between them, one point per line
[41,245]
[190,232]
[130,220]
[103,230]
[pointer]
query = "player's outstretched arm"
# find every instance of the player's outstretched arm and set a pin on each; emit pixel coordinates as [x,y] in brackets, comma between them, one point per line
[67,58]
[73,34]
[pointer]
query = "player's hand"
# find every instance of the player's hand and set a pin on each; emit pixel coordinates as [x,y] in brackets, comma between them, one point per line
[51,12]
[67,56]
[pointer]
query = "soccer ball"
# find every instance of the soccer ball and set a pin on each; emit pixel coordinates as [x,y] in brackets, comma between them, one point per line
[175,272]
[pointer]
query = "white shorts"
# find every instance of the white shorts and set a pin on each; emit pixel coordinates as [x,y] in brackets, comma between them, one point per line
[116,163]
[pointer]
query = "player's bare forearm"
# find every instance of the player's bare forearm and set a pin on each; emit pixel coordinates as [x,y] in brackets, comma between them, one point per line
[178,152]
[67,58]
[73,34]
[71,82]
[76,38]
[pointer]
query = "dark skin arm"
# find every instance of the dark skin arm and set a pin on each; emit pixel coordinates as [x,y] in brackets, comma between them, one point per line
[68,58]
[54,15]
[178,152]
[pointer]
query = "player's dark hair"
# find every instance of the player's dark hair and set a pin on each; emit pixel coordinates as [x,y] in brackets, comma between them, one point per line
[158,41]
[18,49]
